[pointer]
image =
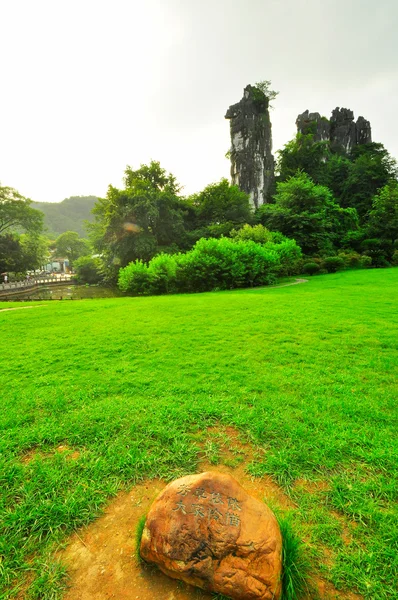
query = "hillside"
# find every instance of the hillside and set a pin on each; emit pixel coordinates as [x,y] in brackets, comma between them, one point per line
[68,215]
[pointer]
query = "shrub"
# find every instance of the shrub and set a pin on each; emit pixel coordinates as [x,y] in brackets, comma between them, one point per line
[135,278]
[256,233]
[162,274]
[289,254]
[352,260]
[225,264]
[212,264]
[394,260]
[311,268]
[88,269]
[366,261]
[379,251]
[333,264]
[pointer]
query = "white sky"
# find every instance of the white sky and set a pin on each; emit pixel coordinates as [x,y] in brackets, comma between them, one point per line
[89,86]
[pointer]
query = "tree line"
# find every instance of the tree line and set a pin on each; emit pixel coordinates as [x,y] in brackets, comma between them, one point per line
[336,206]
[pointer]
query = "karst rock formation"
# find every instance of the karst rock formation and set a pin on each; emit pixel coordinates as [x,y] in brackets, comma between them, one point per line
[252,162]
[341,130]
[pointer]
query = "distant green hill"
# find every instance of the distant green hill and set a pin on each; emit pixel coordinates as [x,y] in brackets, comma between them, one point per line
[68,215]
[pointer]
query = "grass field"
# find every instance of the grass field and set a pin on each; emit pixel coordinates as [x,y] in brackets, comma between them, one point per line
[307,373]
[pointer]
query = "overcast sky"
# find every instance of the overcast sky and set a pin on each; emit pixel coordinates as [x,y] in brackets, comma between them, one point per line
[89,86]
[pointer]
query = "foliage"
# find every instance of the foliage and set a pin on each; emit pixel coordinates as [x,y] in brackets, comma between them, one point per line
[311,268]
[20,253]
[88,269]
[303,154]
[380,251]
[354,179]
[289,255]
[135,278]
[10,253]
[212,264]
[303,372]
[332,264]
[257,233]
[307,213]
[16,213]
[383,217]
[296,567]
[140,220]
[162,271]
[219,205]
[265,88]
[69,244]
[371,169]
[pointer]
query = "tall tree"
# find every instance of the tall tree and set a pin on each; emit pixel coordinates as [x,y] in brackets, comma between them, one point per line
[371,168]
[71,245]
[16,212]
[308,213]
[383,217]
[140,220]
[218,209]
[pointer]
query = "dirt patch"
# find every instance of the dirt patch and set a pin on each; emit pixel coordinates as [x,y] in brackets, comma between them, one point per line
[35,453]
[21,307]
[101,559]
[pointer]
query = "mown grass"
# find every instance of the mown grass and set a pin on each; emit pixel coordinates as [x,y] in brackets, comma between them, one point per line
[307,372]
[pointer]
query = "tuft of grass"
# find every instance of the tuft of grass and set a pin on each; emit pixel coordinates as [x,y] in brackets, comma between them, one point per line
[296,567]
[138,536]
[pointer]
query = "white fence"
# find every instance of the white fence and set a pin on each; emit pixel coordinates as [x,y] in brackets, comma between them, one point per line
[32,283]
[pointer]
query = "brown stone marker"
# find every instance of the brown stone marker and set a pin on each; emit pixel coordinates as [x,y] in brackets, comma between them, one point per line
[206,530]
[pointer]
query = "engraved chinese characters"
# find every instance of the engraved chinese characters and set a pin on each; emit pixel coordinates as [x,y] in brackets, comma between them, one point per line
[211,508]
[206,530]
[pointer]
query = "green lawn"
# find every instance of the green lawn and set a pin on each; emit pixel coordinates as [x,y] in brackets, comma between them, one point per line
[307,373]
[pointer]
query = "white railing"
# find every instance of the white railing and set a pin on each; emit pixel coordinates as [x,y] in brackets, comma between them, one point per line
[33,282]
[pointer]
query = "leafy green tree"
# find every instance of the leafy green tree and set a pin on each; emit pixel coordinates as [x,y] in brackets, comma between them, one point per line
[218,209]
[72,246]
[371,169]
[88,269]
[265,88]
[16,213]
[308,213]
[10,253]
[303,154]
[34,251]
[383,217]
[140,220]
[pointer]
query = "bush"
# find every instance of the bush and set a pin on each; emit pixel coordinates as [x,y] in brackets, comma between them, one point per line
[225,264]
[352,260]
[366,261]
[212,264]
[289,254]
[135,278]
[162,274]
[333,264]
[88,270]
[394,260]
[378,250]
[311,268]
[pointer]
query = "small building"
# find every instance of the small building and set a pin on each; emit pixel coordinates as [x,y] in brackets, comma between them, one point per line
[58,265]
